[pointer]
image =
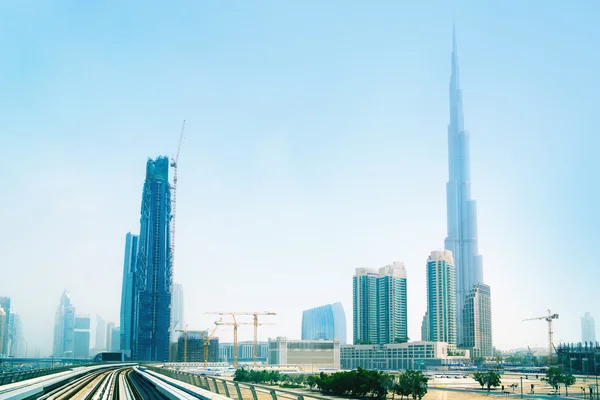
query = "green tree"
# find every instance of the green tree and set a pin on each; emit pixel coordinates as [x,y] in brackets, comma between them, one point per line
[514,386]
[479,378]
[553,378]
[311,381]
[487,379]
[412,383]
[568,380]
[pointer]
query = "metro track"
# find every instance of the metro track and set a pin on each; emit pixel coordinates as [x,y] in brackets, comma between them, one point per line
[109,384]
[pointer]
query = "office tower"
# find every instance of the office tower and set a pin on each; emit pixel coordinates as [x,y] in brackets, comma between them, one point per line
[425,328]
[115,343]
[461,208]
[64,327]
[127,294]
[110,328]
[177,315]
[3,332]
[588,328]
[5,304]
[16,344]
[379,305]
[153,275]
[81,337]
[477,321]
[441,297]
[100,334]
[327,322]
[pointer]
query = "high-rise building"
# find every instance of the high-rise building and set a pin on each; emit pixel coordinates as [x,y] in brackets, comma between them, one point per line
[177,314]
[588,328]
[110,328]
[5,305]
[153,274]
[379,305]
[115,342]
[462,238]
[441,297]
[16,347]
[100,342]
[64,327]
[327,322]
[81,337]
[127,293]
[425,328]
[3,331]
[195,348]
[477,321]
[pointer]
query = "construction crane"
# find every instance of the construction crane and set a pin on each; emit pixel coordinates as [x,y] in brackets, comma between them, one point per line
[185,334]
[235,324]
[548,318]
[206,340]
[174,161]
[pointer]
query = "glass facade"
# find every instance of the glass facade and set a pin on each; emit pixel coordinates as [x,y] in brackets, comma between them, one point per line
[462,238]
[477,321]
[441,297]
[177,314]
[127,294]
[324,323]
[64,328]
[5,305]
[81,337]
[380,305]
[153,275]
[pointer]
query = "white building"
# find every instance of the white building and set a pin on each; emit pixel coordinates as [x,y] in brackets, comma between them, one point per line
[401,356]
[588,328]
[308,355]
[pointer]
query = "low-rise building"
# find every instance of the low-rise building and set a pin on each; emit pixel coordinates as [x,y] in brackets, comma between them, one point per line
[401,356]
[308,355]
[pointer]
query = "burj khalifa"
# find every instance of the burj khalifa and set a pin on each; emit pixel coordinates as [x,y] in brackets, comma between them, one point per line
[462,209]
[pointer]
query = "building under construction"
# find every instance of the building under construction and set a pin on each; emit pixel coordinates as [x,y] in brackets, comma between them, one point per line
[579,358]
[195,348]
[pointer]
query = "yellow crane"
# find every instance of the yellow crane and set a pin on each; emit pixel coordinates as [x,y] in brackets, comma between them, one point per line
[235,324]
[185,333]
[206,340]
[548,318]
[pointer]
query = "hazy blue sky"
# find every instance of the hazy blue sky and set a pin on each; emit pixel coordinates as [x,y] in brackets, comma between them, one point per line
[315,144]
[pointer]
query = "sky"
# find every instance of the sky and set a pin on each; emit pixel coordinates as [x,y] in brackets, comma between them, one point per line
[315,144]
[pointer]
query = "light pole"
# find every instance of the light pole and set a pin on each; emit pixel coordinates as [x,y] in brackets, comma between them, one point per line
[521,386]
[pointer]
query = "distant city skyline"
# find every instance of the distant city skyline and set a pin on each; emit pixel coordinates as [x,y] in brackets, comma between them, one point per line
[312,147]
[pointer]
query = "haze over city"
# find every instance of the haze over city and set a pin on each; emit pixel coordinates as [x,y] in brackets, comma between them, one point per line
[315,144]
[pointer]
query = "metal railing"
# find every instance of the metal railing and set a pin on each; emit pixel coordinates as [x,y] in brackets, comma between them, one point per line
[12,377]
[235,390]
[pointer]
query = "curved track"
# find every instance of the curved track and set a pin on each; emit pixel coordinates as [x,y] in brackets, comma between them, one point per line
[108,384]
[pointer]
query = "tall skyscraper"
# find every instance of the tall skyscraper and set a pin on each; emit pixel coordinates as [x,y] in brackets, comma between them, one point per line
[16,342]
[100,342]
[5,305]
[588,328]
[110,329]
[128,297]
[379,305]
[327,322]
[477,321]
[114,343]
[441,298]
[64,327]
[81,337]
[461,208]
[153,279]
[3,332]
[177,314]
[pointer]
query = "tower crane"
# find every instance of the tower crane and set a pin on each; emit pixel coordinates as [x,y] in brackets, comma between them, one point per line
[185,334]
[235,324]
[206,340]
[548,318]
[174,161]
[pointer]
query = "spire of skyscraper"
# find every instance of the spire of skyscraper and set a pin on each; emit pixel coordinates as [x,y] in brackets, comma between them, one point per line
[462,210]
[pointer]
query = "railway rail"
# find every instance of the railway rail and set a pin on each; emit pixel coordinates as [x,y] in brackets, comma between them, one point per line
[106,383]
